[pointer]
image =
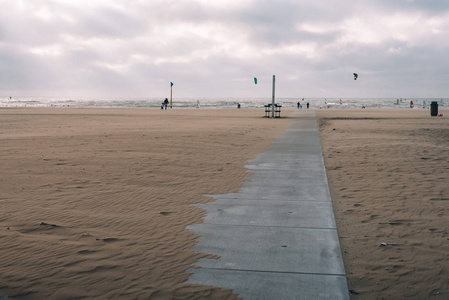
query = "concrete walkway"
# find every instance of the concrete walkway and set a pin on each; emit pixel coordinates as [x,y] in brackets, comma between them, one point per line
[276,237]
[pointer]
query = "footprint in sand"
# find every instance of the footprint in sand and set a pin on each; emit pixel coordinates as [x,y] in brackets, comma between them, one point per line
[108,240]
[87,252]
[166,213]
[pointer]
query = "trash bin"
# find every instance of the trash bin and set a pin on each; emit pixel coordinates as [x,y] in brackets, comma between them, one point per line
[434,109]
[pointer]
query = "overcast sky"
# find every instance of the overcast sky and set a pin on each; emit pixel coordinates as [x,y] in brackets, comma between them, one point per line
[215,48]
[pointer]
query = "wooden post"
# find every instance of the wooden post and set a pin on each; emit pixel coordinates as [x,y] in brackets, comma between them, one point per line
[272,101]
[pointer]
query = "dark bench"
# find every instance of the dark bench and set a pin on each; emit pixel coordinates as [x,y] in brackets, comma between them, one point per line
[277,110]
[267,110]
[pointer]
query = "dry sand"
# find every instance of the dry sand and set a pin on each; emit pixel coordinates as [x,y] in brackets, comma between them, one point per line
[388,172]
[94,202]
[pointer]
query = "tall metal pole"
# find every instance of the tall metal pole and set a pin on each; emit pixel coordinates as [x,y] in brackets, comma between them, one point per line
[272,102]
[171,95]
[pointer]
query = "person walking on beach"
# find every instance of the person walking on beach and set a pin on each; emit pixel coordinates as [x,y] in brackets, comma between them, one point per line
[307,104]
[165,103]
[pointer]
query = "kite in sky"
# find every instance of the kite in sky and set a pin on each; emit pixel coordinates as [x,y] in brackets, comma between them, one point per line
[255,80]
[355,76]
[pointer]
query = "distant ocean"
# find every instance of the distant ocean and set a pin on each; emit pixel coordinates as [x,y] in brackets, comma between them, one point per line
[222,102]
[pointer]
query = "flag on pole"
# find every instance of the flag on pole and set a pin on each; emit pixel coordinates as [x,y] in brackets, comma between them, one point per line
[255,80]
[171,84]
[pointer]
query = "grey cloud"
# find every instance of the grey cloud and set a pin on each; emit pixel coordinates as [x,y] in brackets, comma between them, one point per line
[108,23]
[431,7]
[140,41]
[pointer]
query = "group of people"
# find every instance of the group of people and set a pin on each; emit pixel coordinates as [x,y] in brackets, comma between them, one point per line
[165,104]
[299,105]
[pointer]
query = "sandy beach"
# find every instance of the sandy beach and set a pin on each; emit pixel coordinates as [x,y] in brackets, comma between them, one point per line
[388,173]
[94,202]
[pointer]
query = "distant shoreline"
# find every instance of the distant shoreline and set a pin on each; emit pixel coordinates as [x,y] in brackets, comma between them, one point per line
[223,102]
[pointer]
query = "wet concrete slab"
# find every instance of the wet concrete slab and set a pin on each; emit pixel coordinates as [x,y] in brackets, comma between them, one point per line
[293,214]
[270,249]
[269,285]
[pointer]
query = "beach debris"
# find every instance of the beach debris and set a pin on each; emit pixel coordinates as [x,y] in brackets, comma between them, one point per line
[405,159]
[355,76]
[383,245]
[47,224]
[354,292]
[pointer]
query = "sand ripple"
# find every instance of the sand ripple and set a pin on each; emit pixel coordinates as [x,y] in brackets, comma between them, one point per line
[95,202]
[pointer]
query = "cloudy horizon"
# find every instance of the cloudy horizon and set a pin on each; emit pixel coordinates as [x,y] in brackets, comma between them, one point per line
[215,48]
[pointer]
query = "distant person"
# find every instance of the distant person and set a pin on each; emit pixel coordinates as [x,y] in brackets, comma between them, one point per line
[165,103]
[297,104]
[307,104]
[411,104]
[238,105]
